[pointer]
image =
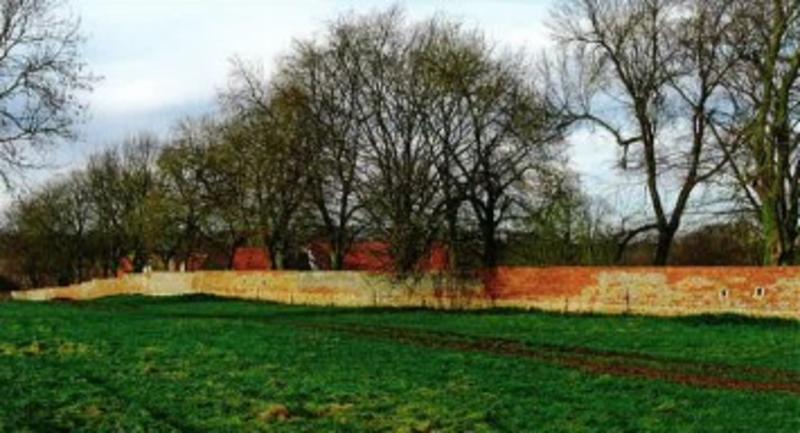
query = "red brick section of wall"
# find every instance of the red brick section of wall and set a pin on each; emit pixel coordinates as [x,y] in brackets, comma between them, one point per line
[668,291]
[251,259]
[516,283]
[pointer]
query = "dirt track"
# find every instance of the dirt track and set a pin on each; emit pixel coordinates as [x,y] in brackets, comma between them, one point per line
[592,361]
[588,360]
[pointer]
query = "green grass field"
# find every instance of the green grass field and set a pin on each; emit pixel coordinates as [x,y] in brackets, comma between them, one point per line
[201,364]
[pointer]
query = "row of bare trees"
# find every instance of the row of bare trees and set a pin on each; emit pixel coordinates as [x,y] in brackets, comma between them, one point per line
[415,134]
[425,133]
[420,130]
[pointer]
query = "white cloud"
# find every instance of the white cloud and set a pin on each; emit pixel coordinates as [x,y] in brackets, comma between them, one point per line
[155,54]
[163,60]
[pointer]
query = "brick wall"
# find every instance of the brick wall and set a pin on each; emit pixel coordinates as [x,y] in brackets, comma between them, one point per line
[654,291]
[768,292]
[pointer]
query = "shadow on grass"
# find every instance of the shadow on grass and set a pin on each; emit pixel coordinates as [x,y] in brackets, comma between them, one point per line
[140,302]
[735,320]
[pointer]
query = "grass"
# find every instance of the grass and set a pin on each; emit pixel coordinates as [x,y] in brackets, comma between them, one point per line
[200,364]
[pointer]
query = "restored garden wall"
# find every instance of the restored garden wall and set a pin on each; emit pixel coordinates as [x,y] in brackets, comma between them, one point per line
[771,292]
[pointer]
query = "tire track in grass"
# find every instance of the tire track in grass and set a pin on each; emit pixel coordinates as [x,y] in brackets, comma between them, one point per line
[591,361]
[630,365]
[716,369]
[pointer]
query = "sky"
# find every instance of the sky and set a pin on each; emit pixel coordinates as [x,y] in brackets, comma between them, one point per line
[164,60]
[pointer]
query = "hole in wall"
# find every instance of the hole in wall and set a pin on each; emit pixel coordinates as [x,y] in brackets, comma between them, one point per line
[759,292]
[723,294]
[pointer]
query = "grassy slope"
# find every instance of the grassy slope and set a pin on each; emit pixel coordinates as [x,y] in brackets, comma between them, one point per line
[133,364]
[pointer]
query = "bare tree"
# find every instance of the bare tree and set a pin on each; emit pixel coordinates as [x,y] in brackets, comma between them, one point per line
[224,181]
[182,168]
[202,195]
[266,127]
[52,233]
[104,176]
[139,155]
[513,130]
[76,211]
[121,181]
[326,73]
[413,126]
[651,75]
[41,76]
[400,186]
[451,60]
[763,139]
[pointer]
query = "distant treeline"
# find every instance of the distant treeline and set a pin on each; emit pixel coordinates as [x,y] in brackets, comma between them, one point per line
[424,133]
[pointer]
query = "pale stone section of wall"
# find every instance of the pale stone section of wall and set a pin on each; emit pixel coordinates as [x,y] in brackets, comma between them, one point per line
[345,289]
[86,291]
[154,284]
[767,292]
[165,284]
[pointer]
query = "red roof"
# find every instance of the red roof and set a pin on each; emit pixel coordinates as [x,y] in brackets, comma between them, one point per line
[373,256]
[125,267]
[251,259]
[368,256]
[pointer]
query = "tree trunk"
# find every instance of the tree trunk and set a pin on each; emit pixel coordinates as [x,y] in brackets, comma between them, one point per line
[779,242]
[489,247]
[788,255]
[237,243]
[452,238]
[665,238]
[278,262]
[337,259]
[232,259]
